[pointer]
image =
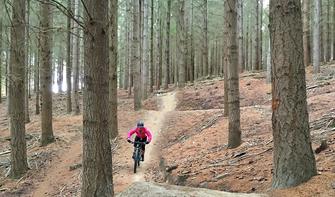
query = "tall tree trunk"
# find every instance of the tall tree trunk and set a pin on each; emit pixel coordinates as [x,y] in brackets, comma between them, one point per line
[146,49]
[328,32]
[321,19]
[60,70]
[30,71]
[293,157]
[234,138]
[306,31]
[128,39]
[192,76]
[19,164]
[240,35]
[46,73]
[97,157]
[76,58]
[260,32]
[158,47]
[268,65]
[333,30]
[177,59]
[151,72]
[1,59]
[141,24]
[135,62]
[131,66]
[166,80]
[160,53]
[225,74]
[37,80]
[26,88]
[113,57]
[7,71]
[69,59]
[256,64]
[316,37]
[181,31]
[204,13]
[251,56]
[247,47]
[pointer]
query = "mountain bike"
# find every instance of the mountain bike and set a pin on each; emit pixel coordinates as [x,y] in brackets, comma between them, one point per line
[137,154]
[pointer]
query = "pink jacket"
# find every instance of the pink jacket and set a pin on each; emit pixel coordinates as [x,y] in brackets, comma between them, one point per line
[141,133]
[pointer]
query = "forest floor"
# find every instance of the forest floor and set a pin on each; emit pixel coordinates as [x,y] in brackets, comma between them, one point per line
[190,142]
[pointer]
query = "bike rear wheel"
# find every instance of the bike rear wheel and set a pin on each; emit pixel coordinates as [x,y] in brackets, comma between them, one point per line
[135,165]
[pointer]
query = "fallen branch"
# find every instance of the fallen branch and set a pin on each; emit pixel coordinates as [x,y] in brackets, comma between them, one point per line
[318,85]
[75,166]
[232,162]
[4,153]
[209,122]
[170,168]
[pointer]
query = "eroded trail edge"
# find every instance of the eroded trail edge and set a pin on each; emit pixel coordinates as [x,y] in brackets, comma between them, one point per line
[154,120]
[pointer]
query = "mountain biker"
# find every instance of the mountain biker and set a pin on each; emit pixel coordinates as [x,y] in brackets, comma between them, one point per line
[142,135]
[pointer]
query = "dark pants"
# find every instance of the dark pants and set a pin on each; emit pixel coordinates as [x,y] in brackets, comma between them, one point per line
[137,139]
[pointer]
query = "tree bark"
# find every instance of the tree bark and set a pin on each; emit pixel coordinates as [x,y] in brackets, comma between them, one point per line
[126,68]
[69,60]
[225,75]
[268,65]
[247,47]
[146,49]
[316,38]
[240,35]
[113,56]
[128,55]
[251,56]
[46,73]
[26,88]
[260,32]
[60,70]
[181,31]
[321,21]
[333,30]
[151,72]
[1,59]
[166,80]
[256,64]
[204,13]
[160,53]
[19,165]
[76,58]
[306,31]
[328,33]
[97,179]
[136,56]
[234,138]
[293,157]
[192,63]
[37,80]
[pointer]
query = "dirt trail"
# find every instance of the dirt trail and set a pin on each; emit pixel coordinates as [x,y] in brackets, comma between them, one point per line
[56,175]
[154,120]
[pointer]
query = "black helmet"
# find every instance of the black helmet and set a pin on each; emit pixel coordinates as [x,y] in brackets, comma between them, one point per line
[140,124]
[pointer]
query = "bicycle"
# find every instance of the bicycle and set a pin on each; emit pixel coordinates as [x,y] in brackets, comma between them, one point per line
[137,156]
